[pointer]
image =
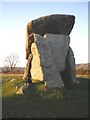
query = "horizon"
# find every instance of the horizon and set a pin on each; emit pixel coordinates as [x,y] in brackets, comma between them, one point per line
[25,66]
[15,22]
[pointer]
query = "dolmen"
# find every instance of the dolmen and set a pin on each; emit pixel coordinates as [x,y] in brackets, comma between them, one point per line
[49,56]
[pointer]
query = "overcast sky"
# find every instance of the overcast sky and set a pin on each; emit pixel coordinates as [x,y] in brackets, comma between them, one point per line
[14,16]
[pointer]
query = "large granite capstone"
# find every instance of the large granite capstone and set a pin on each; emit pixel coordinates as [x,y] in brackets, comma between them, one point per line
[55,24]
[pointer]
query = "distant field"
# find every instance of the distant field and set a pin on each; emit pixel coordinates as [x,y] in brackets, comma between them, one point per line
[82,70]
[38,103]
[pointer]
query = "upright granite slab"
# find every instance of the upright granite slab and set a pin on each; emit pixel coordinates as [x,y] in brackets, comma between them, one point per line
[43,66]
[59,45]
[69,74]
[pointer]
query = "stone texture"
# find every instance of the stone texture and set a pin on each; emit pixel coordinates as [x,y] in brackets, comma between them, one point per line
[55,24]
[69,74]
[36,71]
[29,41]
[27,74]
[59,45]
[43,67]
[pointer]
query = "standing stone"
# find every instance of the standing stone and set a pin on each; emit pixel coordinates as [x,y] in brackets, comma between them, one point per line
[55,24]
[28,44]
[59,45]
[36,70]
[27,74]
[69,74]
[43,67]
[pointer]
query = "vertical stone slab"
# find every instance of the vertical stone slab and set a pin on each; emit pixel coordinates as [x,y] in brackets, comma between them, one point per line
[46,67]
[59,45]
[27,75]
[69,74]
[36,69]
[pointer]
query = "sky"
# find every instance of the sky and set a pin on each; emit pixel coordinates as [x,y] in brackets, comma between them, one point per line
[14,17]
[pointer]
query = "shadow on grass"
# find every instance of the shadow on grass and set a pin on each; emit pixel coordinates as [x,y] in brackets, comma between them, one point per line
[56,103]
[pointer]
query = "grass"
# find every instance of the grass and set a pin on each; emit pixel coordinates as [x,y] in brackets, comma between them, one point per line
[38,103]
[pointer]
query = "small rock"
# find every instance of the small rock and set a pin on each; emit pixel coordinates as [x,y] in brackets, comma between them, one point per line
[16,87]
[24,86]
[57,92]
[12,80]
[41,94]
[20,92]
[77,82]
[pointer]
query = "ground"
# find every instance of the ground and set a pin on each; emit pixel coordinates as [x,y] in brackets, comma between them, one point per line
[40,103]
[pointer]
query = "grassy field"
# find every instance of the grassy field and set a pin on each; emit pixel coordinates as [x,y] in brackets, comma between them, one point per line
[38,103]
